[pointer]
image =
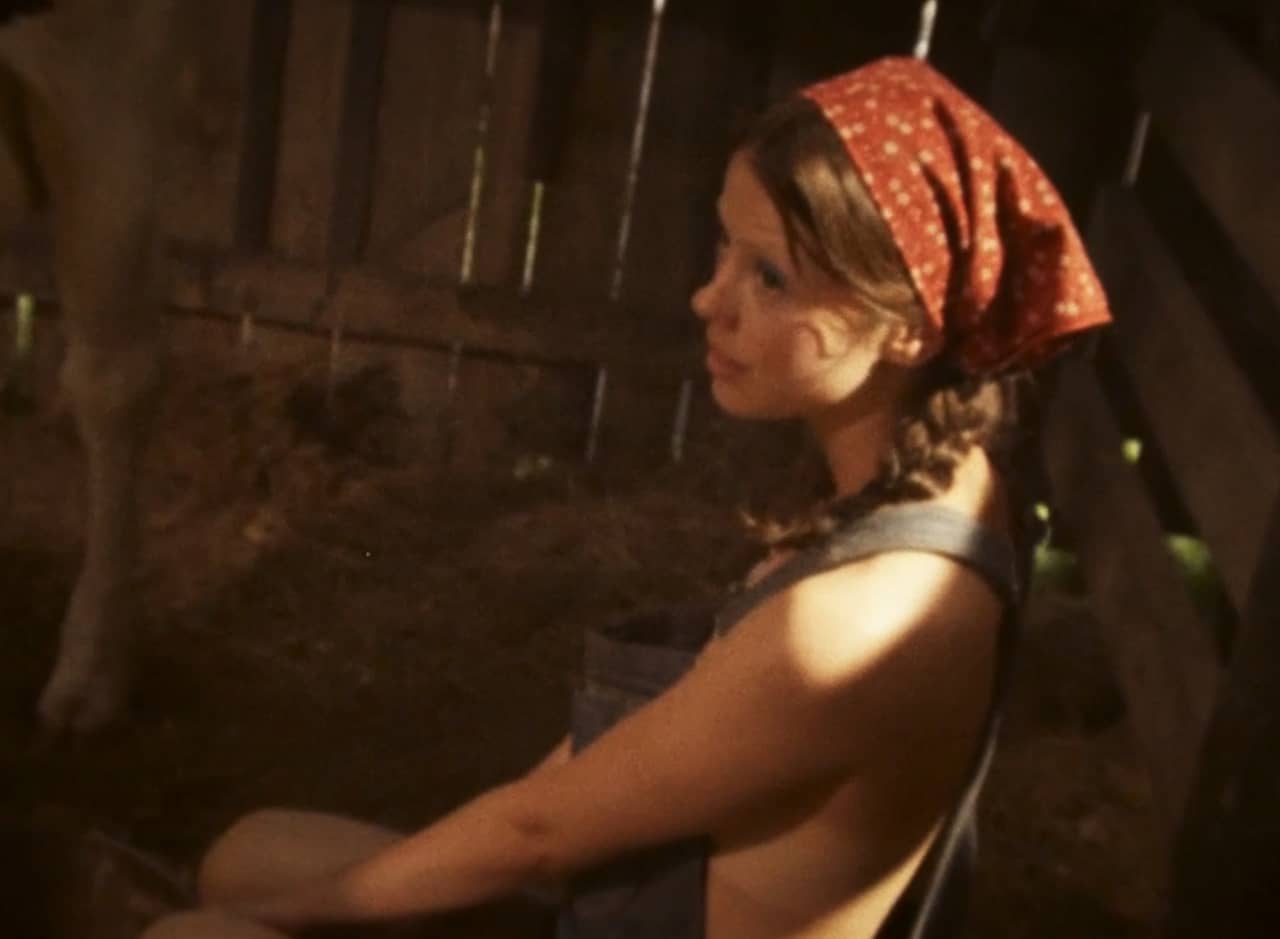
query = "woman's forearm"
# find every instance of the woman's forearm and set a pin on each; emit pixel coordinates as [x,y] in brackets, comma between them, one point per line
[489,847]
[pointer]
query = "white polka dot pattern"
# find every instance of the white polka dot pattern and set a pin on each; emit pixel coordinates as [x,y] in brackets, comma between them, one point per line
[967,206]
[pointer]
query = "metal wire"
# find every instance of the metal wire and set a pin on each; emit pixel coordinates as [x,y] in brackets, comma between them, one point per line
[531,237]
[637,150]
[928,16]
[597,413]
[482,139]
[1137,148]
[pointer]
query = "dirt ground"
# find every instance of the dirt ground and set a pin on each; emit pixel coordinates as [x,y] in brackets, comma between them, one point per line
[376,608]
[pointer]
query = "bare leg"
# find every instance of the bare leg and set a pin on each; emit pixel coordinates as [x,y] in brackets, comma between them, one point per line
[266,851]
[274,849]
[208,924]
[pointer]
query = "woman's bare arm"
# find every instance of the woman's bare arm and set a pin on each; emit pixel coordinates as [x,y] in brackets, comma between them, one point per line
[800,692]
[560,754]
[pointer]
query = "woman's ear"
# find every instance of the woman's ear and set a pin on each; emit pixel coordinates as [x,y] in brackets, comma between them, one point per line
[903,344]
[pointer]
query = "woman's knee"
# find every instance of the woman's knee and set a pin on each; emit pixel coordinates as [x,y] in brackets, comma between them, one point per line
[273,849]
[242,857]
[207,924]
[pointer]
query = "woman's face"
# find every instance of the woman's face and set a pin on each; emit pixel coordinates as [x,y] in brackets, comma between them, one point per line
[782,341]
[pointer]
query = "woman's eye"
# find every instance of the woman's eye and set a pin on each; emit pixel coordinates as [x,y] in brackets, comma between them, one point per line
[770,277]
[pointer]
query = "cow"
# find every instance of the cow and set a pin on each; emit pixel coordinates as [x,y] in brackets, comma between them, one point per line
[82,89]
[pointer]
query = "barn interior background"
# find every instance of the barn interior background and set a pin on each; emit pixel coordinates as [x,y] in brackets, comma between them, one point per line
[435,404]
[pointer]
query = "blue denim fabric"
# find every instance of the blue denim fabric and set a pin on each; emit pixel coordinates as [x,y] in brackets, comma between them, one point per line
[659,893]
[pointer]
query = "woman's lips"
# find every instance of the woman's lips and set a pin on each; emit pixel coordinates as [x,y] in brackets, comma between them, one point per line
[721,366]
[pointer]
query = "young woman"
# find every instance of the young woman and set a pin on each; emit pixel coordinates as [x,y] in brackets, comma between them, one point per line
[889,258]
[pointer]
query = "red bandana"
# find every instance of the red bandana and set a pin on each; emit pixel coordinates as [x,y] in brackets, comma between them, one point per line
[967,206]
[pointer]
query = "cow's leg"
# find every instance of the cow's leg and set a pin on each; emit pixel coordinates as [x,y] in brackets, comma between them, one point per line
[109,385]
[93,140]
[109,376]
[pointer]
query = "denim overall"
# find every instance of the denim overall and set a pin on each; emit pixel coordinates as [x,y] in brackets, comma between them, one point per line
[659,892]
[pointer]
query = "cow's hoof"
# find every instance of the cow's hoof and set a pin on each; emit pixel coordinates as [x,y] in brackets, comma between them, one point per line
[81,704]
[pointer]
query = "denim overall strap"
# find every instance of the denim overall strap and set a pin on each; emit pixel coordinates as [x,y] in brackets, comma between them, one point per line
[908,527]
[659,893]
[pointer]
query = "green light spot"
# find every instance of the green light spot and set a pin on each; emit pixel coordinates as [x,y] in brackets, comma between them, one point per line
[1132,450]
[25,325]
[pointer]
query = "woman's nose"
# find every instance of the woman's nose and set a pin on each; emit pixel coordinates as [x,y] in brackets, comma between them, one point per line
[707,300]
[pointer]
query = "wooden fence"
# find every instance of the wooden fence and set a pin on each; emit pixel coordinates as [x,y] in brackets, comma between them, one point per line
[526,182]
[571,151]
[353,163]
[1187,240]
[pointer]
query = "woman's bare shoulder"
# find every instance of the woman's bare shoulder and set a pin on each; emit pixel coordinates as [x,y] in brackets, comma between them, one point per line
[838,621]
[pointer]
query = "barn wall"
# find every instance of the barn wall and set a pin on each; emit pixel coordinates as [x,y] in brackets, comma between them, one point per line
[526,187]
[390,152]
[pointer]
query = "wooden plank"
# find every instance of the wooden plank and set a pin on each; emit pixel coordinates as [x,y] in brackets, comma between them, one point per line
[426,137]
[584,194]
[353,182]
[1223,450]
[1158,647]
[566,31]
[1224,282]
[502,222]
[1221,116]
[314,79]
[1228,859]
[259,150]
[201,170]
[715,49]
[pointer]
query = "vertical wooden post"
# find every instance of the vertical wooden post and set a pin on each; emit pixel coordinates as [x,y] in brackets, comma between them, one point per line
[566,29]
[353,164]
[257,176]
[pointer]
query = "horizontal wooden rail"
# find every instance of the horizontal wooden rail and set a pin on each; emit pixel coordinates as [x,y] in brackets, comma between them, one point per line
[491,352]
